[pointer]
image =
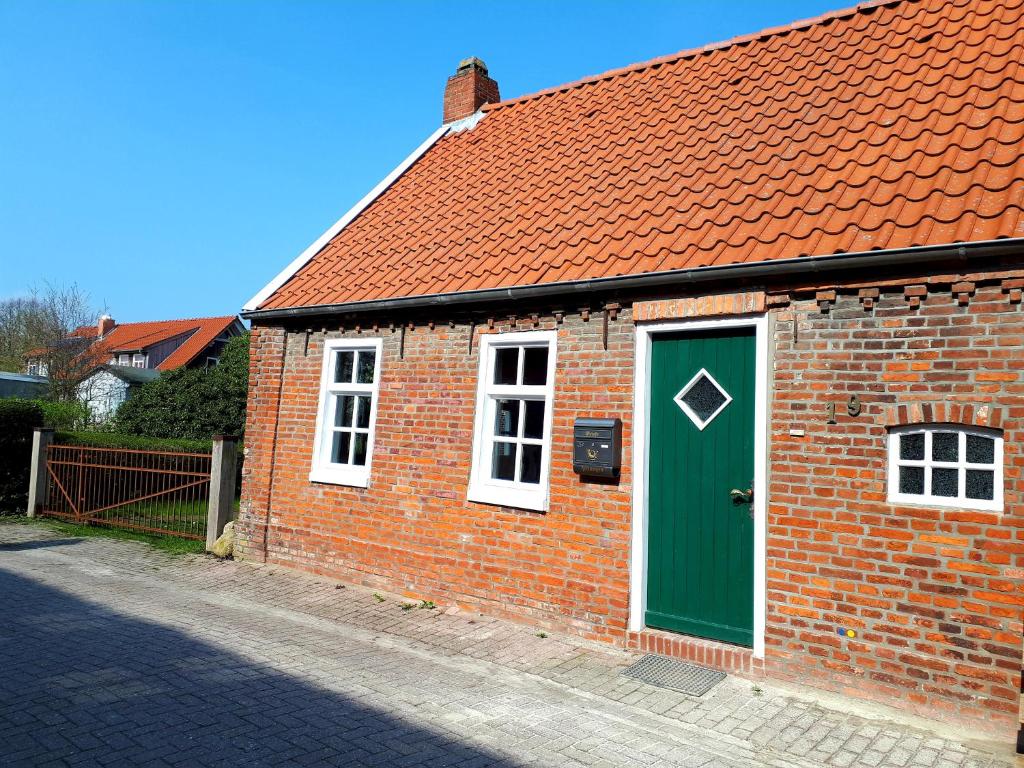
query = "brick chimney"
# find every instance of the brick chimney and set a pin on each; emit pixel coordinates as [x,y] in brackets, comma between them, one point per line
[105,325]
[468,90]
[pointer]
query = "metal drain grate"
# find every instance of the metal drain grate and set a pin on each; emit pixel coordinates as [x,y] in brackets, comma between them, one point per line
[675,674]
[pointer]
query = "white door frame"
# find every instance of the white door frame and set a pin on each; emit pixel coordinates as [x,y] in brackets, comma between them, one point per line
[641,434]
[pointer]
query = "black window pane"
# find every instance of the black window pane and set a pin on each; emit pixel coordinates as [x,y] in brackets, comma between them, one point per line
[912,480]
[703,398]
[503,461]
[506,365]
[534,424]
[506,419]
[531,464]
[980,484]
[535,366]
[359,449]
[343,367]
[363,413]
[945,482]
[339,450]
[980,450]
[343,411]
[367,363]
[912,446]
[945,446]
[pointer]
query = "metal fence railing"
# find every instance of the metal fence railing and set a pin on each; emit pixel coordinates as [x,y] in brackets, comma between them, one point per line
[148,491]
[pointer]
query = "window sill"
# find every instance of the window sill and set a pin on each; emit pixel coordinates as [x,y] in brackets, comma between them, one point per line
[353,479]
[968,505]
[535,501]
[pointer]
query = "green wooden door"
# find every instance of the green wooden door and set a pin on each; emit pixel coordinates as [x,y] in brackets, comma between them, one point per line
[700,546]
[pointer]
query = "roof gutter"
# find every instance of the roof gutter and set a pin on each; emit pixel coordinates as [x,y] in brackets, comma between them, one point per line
[800,266]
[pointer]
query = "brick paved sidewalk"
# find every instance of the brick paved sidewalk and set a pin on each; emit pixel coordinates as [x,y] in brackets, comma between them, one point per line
[115,654]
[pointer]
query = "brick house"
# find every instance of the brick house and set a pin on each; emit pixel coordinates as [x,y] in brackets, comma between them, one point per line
[790,265]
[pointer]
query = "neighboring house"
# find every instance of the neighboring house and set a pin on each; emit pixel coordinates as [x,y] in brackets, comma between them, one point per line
[791,266]
[20,385]
[120,357]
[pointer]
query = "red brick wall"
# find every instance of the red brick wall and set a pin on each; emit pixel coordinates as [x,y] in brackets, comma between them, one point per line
[933,594]
[412,529]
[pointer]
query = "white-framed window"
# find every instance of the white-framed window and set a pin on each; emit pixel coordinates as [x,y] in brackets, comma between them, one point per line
[125,359]
[138,361]
[512,434]
[946,465]
[212,361]
[347,413]
[33,368]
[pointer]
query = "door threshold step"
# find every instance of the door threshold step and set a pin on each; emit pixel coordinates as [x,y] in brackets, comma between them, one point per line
[676,675]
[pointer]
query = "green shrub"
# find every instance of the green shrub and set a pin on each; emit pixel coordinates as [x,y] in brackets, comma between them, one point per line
[133,442]
[192,403]
[64,414]
[18,418]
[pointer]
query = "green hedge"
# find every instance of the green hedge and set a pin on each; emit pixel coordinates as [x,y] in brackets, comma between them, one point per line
[18,418]
[134,442]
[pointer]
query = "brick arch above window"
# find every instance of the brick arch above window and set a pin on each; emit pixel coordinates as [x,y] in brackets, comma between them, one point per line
[977,414]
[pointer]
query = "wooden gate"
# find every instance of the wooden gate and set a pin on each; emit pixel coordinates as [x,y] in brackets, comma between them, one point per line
[149,491]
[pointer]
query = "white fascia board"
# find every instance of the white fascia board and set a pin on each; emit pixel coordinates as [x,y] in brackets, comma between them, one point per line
[304,257]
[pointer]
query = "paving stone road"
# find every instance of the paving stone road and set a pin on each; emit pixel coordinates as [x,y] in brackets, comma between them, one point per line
[114,654]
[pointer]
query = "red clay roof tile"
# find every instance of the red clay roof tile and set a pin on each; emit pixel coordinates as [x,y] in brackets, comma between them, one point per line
[891,124]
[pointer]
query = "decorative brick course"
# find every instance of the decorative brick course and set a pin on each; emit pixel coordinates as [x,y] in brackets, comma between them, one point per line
[700,306]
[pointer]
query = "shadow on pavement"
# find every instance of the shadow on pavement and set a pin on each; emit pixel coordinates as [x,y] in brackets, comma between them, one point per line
[87,685]
[15,546]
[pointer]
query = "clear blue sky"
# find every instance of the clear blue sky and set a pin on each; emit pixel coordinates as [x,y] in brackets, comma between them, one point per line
[172,157]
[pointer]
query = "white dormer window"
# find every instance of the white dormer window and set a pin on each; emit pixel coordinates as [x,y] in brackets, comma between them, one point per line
[125,359]
[138,361]
[946,465]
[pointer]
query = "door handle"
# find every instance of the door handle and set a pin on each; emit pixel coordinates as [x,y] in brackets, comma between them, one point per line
[742,497]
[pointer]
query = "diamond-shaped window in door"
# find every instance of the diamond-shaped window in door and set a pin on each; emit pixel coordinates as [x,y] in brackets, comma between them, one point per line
[702,399]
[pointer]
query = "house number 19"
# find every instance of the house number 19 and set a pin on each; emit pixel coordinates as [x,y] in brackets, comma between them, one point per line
[853,407]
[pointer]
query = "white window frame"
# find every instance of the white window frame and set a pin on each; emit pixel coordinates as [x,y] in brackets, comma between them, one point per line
[961,465]
[508,493]
[124,359]
[140,359]
[323,470]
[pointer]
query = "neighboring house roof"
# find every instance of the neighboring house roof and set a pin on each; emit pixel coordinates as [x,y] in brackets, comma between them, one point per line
[135,337]
[885,126]
[130,374]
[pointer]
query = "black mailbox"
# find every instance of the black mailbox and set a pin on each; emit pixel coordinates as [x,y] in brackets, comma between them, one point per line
[597,447]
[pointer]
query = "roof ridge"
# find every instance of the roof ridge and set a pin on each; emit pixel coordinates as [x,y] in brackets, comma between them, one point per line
[828,16]
[177,320]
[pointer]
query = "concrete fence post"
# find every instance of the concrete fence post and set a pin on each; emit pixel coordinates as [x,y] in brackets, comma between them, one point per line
[223,464]
[38,481]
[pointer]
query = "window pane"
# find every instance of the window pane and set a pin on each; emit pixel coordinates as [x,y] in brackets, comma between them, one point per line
[343,367]
[912,480]
[533,426]
[506,365]
[535,366]
[980,484]
[365,368]
[531,464]
[912,446]
[359,454]
[503,462]
[981,450]
[945,482]
[363,413]
[339,450]
[343,410]
[945,446]
[506,420]
[704,398]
